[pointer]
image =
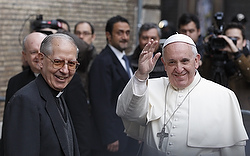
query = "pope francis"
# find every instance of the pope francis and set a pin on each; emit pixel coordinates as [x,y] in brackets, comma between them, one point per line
[182,114]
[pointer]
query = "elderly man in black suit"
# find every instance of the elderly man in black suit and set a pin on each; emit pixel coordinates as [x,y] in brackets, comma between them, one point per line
[36,120]
[74,93]
[31,48]
[108,75]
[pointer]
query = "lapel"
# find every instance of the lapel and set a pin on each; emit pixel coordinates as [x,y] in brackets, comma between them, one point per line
[118,65]
[30,76]
[50,106]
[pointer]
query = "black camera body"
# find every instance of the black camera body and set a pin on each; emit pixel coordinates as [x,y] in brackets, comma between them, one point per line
[219,67]
[217,43]
[39,24]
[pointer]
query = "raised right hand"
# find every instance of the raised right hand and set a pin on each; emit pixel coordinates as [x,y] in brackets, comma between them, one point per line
[147,61]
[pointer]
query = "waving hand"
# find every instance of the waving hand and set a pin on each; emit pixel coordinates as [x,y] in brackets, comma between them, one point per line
[147,60]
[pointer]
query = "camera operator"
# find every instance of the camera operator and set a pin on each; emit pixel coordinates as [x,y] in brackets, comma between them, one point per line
[236,63]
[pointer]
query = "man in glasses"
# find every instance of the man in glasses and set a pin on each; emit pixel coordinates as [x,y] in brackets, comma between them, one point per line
[75,95]
[36,119]
[85,31]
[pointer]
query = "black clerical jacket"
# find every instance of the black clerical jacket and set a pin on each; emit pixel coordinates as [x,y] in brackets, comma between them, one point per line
[32,124]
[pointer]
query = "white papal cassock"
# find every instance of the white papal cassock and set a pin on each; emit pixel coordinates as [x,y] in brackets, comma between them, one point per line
[202,119]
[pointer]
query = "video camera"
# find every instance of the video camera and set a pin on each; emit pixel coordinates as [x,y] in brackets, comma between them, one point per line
[219,58]
[39,24]
[215,43]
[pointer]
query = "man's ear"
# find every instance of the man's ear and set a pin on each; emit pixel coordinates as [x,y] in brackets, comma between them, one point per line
[197,61]
[164,63]
[244,42]
[108,36]
[199,32]
[24,55]
[40,59]
[93,37]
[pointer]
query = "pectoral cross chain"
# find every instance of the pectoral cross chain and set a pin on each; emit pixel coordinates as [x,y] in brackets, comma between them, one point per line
[162,135]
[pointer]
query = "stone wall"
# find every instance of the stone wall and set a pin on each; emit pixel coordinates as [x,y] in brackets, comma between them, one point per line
[13,14]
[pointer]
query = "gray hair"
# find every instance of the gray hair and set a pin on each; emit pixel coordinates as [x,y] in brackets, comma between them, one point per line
[148,26]
[46,45]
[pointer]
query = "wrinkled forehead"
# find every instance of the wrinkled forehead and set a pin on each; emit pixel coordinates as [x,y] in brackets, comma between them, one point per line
[180,48]
[55,41]
[63,48]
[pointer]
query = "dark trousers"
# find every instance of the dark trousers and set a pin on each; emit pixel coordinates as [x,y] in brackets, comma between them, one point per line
[134,148]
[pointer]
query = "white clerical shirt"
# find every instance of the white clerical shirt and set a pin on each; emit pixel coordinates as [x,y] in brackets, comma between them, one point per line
[204,118]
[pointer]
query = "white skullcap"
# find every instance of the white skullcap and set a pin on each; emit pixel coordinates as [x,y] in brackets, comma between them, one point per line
[179,38]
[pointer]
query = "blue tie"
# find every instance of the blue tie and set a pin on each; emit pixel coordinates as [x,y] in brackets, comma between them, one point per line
[127,65]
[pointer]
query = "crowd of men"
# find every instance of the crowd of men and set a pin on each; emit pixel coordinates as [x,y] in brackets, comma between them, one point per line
[162,100]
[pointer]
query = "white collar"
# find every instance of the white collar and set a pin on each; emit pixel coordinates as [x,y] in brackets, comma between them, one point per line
[59,94]
[119,54]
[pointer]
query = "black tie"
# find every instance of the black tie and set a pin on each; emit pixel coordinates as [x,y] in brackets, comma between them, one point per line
[127,65]
[61,108]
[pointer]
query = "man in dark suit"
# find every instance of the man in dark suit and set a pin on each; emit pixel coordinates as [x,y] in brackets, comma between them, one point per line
[36,120]
[107,78]
[31,48]
[74,94]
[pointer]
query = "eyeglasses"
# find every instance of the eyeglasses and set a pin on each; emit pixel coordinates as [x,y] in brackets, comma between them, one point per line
[57,63]
[84,33]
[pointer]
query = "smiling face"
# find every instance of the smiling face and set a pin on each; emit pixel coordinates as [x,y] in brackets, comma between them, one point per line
[180,64]
[62,49]
[32,48]
[120,36]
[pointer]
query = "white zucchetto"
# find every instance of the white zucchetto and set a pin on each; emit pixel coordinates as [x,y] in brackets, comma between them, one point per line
[179,38]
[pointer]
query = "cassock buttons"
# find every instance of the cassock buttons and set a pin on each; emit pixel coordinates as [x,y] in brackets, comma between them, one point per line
[181,95]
